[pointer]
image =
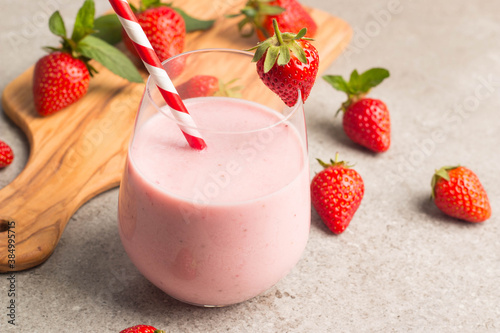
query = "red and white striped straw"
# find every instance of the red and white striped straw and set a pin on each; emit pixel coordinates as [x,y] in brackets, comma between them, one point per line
[157,72]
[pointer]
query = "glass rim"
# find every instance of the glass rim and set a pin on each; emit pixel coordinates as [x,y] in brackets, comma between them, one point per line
[292,110]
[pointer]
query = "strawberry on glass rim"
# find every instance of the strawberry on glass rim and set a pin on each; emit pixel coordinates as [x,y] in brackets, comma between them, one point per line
[366,121]
[286,63]
[62,77]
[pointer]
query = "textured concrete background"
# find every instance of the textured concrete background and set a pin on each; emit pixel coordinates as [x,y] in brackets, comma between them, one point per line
[400,266]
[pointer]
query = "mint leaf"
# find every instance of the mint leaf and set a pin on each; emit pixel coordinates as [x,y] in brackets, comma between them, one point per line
[372,78]
[110,57]
[56,25]
[270,10]
[354,83]
[193,24]
[337,82]
[108,28]
[134,8]
[145,4]
[249,12]
[84,23]
[358,85]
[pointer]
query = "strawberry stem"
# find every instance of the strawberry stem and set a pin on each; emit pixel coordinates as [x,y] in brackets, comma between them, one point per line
[336,157]
[277,32]
[278,49]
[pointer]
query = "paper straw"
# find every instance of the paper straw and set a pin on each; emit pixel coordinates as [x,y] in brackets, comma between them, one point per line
[158,73]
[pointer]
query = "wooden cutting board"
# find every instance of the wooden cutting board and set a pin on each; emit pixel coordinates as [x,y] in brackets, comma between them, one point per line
[80,152]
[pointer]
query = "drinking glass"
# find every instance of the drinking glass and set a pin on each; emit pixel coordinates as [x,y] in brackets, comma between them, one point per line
[222,225]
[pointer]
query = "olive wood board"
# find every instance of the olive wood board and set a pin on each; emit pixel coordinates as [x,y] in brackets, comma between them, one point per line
[80,151]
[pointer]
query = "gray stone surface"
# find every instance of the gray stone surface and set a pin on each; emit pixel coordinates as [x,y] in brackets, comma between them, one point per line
[400,266]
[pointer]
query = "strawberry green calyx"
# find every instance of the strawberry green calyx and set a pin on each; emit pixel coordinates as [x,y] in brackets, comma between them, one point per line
[146,4]
[335,163]
[254,13]
[228,89]
[358,85]
[83,45]
[441,173]
[277,48]
[159,331]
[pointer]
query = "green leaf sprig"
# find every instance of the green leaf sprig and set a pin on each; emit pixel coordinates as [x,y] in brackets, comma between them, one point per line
[358,85]
[85,46]
[108,28]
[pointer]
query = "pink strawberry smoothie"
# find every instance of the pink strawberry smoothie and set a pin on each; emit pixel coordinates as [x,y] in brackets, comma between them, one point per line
[222,225]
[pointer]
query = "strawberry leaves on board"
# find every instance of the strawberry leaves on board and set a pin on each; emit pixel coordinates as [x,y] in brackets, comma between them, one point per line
[97,49]
[194,24]
[62,77]
[108,28]
[258,15]
[253,12]
[84,46]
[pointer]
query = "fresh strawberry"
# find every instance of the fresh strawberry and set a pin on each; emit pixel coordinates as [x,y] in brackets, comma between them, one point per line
[199,86]
[6,154]
[59,80]
[164,27]
[458,192]
[62,77]
[366,121]
[207,85]
[142,329]
[290,15]
[336,193]
[287,63]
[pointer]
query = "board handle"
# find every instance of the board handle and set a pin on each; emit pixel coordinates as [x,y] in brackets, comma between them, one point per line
[36,207]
